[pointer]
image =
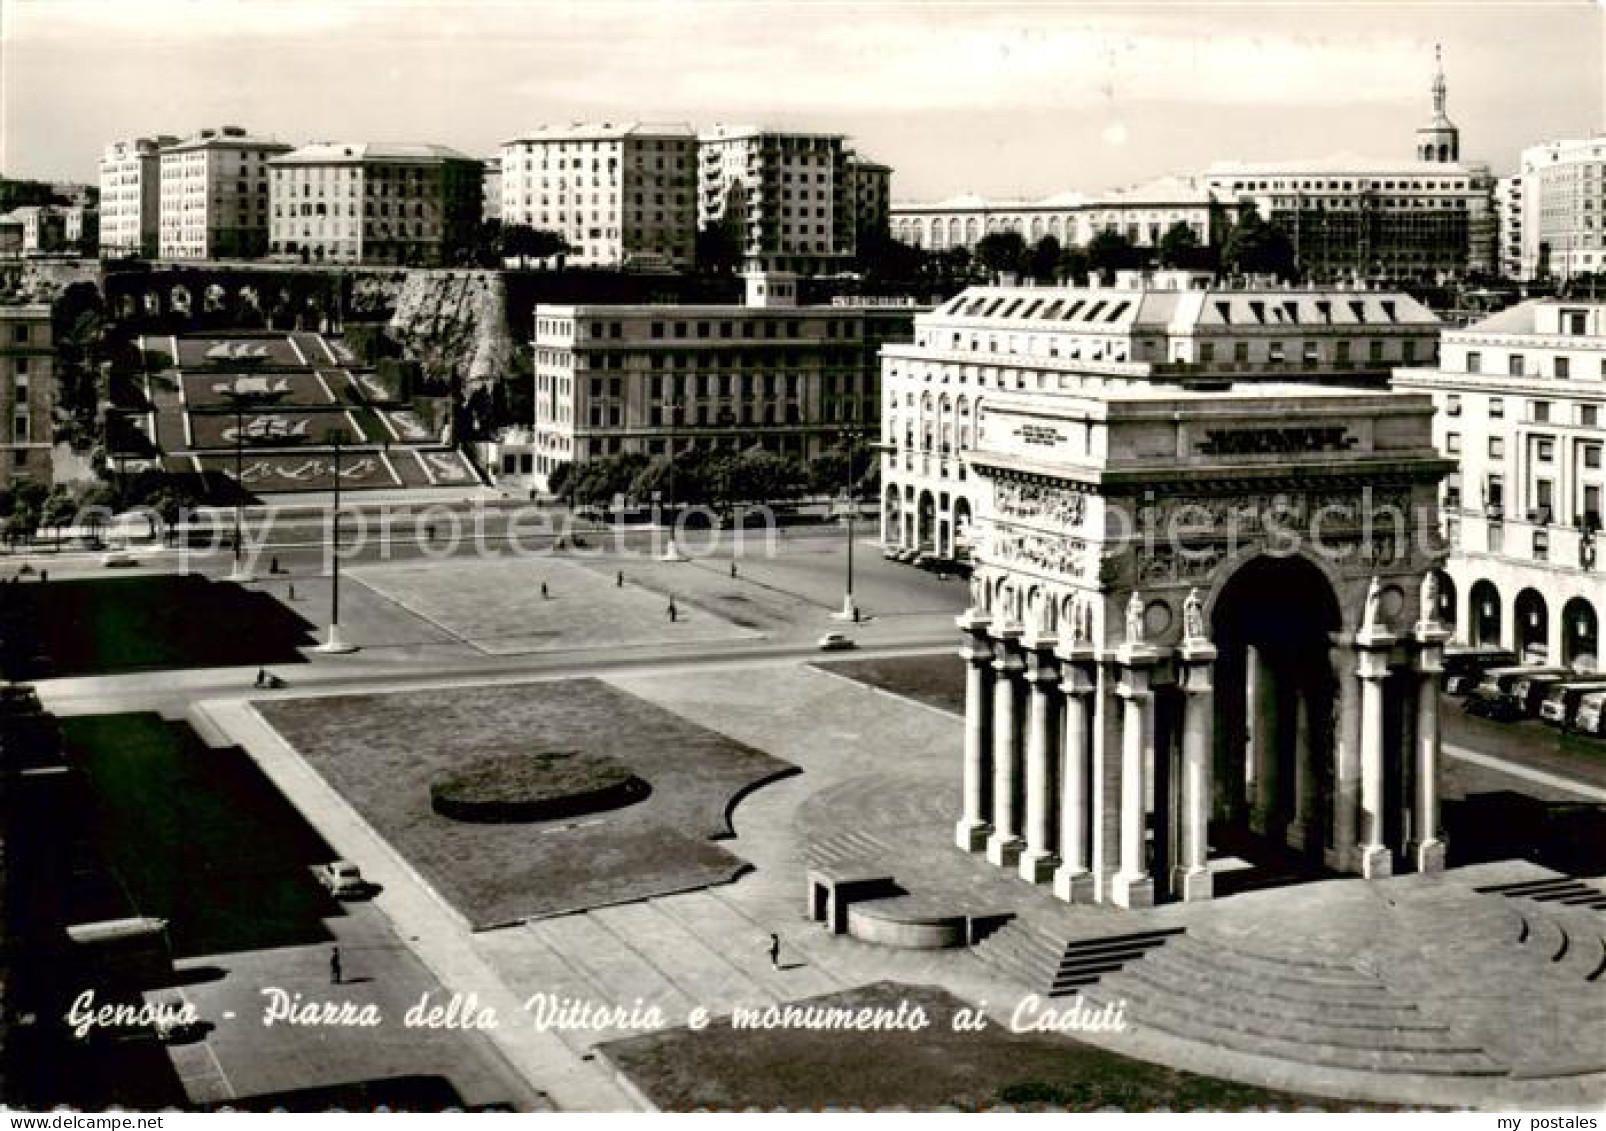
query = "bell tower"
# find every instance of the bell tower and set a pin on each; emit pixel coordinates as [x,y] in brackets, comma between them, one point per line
[1439,140]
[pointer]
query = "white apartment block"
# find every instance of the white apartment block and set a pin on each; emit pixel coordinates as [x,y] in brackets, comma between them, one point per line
[1142,214]
[130,196]
[787,197]
[1081,341]
[621,194]
[1521,400]
[1508,206]
[367,202]
[790,379]
[214,195]
[1564,208]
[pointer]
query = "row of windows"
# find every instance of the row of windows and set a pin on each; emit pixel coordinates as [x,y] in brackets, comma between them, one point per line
[1544,449]
[1539,412]
[1517,366]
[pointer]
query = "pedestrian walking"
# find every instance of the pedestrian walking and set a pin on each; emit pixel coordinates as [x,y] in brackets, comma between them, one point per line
[673,612]
[292,592]
[44,576]
[273,565]
[733,569]
[262,677]
[619,580]
[775,951]
[334,967]
[543,591]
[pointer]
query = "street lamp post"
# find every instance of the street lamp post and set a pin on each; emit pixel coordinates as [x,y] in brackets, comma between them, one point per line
[334,644]
[240,574]
[850,611]
[671,551]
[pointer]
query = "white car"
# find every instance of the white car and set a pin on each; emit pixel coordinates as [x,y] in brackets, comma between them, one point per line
[342,878]
[836,642]
[118,559]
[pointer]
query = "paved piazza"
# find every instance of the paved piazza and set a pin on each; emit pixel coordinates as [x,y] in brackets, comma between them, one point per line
[496,605]
[1417,989]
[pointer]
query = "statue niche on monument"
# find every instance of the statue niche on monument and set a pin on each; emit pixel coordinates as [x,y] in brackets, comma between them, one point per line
[1373,608]
[1193,629]
[1134,619]
[1429,599]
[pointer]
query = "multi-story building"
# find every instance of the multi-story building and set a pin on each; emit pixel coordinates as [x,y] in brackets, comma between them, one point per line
[82,228]
[43,228]
[1352,220]
[1521,400]
[1142,214]
[790,379]
[1508,194]
[27,356]
[214,195]
[367,202]
[1563,208]
[130,196]
[491,189]
[788,198]
[622,194]
[1072,340]
[872,196]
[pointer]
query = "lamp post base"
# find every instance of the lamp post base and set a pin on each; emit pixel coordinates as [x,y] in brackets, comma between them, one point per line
[672,553]
[850,611]
[241,576]
[335,646]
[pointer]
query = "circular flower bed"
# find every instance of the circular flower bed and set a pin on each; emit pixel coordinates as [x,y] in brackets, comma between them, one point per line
[510,788]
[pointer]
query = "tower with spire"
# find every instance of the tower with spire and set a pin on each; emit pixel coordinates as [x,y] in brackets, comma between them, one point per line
[1439,140]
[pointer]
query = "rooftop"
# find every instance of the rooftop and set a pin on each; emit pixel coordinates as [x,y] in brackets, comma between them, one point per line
[338,152]
[1341,164]
[604,131]
[227,137]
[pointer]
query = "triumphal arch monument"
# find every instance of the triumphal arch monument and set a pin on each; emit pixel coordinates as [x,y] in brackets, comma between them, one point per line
[1197,608]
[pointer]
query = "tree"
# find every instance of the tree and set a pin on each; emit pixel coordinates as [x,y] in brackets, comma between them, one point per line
[58,510]
[1255,247]
[522,242]
[1073,264]
[559,478]
[1002,252]
[1179,247]
[880,257]
[1043,261]
[1109,251]
[718,248]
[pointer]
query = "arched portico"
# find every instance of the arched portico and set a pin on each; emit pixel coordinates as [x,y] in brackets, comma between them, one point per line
[1484,614]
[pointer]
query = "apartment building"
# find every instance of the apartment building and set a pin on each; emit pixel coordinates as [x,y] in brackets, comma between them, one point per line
[1521,400]
[788,198]
[622,194]
[1563,208]
[214,195]
[130,196]
[370,202]
[27,359]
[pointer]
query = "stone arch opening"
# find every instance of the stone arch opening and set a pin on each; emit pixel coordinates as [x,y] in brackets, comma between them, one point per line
[1580,626]
[1532,626]
[1276,693]
[1483,617]
[1449,610]
[892,517]
[926,522]
[962,535]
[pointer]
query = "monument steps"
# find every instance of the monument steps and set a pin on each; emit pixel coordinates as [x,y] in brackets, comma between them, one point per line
[715,921]
[1179,1017]
[624,977]
[1223,955]
[1238,974]
[1569,890]
[1055,967]
[1578,946]
[859,847]
[705,975]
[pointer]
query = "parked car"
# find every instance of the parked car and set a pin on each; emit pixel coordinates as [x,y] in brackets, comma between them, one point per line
[117,558]
[1591,717]
[1464,667]
[1495,696]
[836,642]
[1560,708]
[342,878]
[1530,692]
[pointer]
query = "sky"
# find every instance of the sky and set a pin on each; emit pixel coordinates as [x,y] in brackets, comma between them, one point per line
[1006,98]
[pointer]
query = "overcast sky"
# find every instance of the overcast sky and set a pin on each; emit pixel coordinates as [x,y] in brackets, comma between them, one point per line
[1000,98]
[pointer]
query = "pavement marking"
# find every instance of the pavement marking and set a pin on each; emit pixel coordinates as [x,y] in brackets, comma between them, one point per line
[1518,770]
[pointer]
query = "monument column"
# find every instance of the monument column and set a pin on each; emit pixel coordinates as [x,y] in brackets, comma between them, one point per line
[1132,885]
[1073,881]
[1038,861]
[1429,848]
[1265,691]
[973,828]
[1372,657]
[1299,827]
[1346,759]
[1004,845]
[1192,880]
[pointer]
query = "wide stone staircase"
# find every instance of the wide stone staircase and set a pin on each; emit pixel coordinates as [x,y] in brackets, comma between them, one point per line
[1306,1012]
[1048,964]
[851,847]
